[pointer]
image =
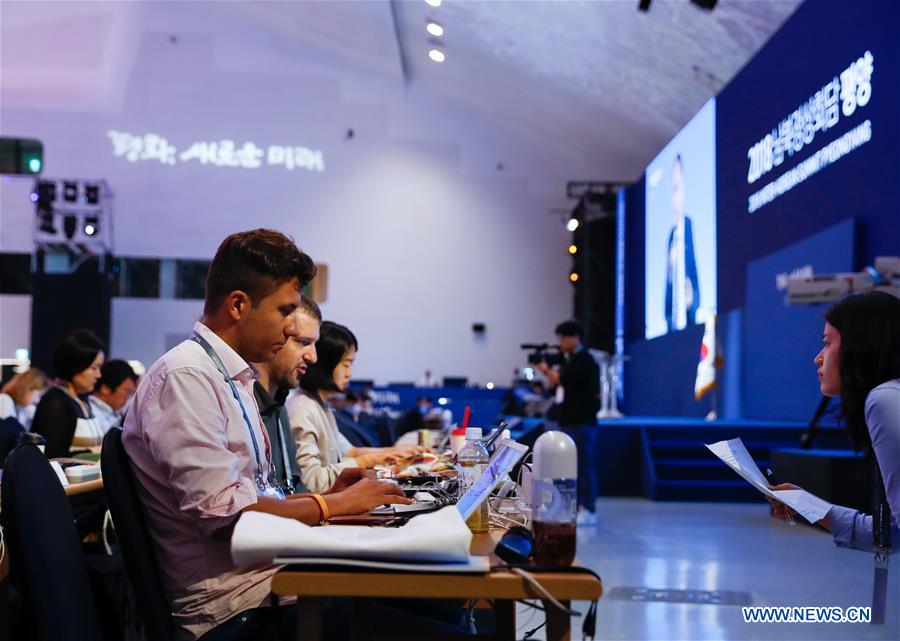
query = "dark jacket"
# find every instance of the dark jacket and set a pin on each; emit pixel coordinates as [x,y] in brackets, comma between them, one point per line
[275,418]
[690,274]
[580,378]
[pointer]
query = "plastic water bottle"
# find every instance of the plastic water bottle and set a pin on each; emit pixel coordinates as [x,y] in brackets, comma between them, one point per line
[473,459]
[554,498]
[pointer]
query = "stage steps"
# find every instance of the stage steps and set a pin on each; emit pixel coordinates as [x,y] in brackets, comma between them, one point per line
[677,466]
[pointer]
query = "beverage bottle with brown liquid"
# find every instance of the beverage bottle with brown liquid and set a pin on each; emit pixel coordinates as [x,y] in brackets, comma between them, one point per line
[554,499]
[473,458]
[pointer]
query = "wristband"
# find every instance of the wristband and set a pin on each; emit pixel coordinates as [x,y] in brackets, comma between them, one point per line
[323,508]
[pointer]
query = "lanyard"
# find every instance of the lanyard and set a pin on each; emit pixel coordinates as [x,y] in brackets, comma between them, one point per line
[881,543]
[260,478]
[288,477]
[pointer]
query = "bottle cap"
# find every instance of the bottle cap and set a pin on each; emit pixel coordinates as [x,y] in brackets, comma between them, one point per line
[473,433]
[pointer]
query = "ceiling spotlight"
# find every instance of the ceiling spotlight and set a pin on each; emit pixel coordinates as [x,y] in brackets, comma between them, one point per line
[572,225]
[574,277]
[490,385]
[573,249]
[437,55]
[434,29]
[91,225]
[70,192]
[434,3]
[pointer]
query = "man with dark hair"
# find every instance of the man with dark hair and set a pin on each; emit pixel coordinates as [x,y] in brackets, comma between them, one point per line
[577,401]
[115,388]
[200,452]
[276,379]
[255,263]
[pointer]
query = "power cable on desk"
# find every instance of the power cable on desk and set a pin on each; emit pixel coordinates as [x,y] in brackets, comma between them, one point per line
[529,604]
[533,582]
[533,631]
[533,609]
[589,624]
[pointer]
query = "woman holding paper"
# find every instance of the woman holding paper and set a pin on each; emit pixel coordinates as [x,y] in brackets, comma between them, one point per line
[860,363]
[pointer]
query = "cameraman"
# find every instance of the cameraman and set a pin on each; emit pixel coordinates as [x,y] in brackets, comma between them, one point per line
[577,401]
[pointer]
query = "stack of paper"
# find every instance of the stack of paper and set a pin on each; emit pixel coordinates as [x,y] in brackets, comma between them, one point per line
[438,537]
[735,455]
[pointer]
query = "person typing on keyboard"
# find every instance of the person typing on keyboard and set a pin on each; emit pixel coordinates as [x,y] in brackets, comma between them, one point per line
[201,454]
[322,451]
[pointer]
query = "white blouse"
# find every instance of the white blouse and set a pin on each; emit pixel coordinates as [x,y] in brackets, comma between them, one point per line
[321,448]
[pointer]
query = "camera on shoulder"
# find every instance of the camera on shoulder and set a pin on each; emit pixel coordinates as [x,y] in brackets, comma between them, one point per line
[543,353]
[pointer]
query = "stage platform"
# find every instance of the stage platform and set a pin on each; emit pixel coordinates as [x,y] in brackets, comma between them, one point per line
[665,458]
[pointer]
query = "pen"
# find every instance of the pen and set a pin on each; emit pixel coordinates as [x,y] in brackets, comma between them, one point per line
[773,481]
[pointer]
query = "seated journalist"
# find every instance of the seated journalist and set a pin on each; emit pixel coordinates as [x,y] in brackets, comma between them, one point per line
[202,457]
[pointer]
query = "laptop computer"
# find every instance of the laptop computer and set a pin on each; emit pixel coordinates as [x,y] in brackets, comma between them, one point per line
[505,457]
[507,454]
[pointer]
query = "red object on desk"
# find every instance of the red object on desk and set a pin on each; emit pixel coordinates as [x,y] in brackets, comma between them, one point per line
[466,416]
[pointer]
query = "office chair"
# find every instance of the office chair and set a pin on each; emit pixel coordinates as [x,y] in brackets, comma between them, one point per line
[10,429]
[46,563]
[130,522]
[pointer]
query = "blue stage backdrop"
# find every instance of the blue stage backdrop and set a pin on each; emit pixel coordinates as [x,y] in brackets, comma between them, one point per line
[779,375]
[807,136]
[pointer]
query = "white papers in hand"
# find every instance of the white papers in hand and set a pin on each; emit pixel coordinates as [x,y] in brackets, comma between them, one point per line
[440,537]
[735,455]
[807,505]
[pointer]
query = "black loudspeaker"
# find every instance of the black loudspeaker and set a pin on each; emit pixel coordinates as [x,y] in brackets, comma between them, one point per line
[61,302]
[595,263]
[841,477]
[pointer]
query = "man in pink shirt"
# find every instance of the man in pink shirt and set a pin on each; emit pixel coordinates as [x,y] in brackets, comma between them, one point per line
[200,452]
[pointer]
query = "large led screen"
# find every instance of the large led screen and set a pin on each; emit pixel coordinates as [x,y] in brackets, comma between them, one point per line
[680,237]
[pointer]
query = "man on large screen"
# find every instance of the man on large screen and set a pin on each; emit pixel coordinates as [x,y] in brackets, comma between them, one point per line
[682,284]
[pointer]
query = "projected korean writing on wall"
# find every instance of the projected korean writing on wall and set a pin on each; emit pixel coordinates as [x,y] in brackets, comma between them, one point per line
[222,153]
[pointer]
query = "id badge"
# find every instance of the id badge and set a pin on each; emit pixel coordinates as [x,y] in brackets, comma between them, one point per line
[273,492]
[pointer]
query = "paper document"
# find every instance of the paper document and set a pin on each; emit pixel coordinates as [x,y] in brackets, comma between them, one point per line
[475,564]
[735,455]
[438,537]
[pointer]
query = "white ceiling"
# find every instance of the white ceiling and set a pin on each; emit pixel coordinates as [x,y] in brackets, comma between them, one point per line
[600,77]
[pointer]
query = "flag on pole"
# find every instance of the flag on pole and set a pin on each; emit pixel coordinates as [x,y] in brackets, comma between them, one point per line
[710,360]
